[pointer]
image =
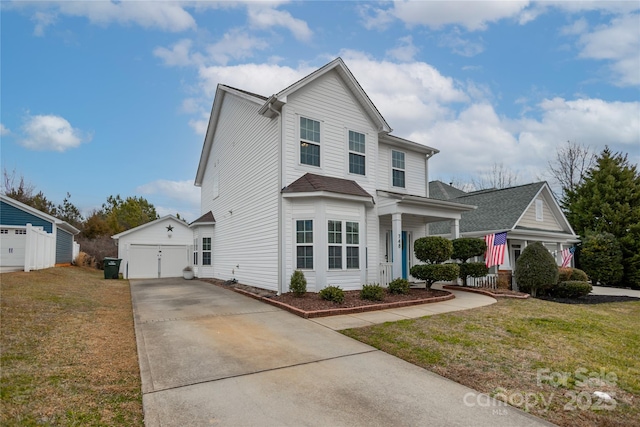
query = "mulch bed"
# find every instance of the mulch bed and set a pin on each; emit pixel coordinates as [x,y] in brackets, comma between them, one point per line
[496,293]
[590,299]
[311,305]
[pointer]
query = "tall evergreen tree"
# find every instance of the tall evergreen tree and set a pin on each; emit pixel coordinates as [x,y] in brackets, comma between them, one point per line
[608,201]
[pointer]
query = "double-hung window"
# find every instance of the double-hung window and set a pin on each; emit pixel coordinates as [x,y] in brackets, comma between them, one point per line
[206,251]
[309,142]
[397,168]
[344,244]
[356,153]
[195,251]
[334,229]
[304,244]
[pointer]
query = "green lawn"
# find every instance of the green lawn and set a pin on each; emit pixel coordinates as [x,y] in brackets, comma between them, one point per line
[545,357]
[68,350]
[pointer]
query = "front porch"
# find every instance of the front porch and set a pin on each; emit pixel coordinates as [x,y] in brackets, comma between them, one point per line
[404,218]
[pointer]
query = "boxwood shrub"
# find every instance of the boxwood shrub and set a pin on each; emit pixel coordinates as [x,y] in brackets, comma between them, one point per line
[372,292]
[399,286]
[571,289]
[332,293]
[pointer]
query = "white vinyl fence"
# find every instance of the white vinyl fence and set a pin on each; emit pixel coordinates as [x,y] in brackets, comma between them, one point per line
[40,249]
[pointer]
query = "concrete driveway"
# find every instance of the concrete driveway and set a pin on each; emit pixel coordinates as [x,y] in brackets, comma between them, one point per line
[211,357]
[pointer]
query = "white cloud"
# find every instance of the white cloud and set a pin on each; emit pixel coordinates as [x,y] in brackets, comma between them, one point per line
[235,44]
[472,15]
[267,17]
[50,132]
[618,42]
[405,50]
[4,130]
[180,191]
[162,15]
[178,55]
[459,45]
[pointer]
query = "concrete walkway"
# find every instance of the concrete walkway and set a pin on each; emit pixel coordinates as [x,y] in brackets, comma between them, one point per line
[602,290]
[209,356]
[462,301]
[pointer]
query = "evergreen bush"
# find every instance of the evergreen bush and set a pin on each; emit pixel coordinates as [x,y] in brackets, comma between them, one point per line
[298,283]
[399,286]
[372,292]
[536,269]
[332,293]
[571,289]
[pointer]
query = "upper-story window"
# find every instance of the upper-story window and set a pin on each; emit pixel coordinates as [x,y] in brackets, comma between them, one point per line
[309,142]
[397,168]
[356,153]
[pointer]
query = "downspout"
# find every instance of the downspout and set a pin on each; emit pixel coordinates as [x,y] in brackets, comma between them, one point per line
[426,172]
[281,246]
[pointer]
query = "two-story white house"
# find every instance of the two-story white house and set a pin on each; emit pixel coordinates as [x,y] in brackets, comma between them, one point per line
[311,179]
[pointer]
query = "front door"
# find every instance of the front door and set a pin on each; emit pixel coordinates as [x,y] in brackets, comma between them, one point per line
[405,255]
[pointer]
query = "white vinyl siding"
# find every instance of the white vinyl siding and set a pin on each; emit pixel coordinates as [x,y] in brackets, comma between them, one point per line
[244,156]
[330,102]
[531,218]
[415,172]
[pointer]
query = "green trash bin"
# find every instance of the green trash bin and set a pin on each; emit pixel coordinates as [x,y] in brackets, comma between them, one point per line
[111,268]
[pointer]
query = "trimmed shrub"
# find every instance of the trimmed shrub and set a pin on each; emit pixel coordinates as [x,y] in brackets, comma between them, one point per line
[399,286]
[571,289]
[473,269]
[433,250]
[372,292]
[579,275]
[298,283]
[536,269]
[432,273]
[564,274]
[468,247]
[332,293]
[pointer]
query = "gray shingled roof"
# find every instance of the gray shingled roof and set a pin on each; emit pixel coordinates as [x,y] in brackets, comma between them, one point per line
[441,191]
[262,97]
[498,209]
[311,182]
[206,219]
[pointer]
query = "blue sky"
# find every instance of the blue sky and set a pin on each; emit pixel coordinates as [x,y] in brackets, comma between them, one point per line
[101,98]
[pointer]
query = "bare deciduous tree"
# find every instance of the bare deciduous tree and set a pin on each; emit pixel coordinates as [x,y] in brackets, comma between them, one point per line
[500,176]
[572,162]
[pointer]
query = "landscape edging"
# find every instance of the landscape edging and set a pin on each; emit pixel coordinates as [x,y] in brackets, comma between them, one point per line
[348,310]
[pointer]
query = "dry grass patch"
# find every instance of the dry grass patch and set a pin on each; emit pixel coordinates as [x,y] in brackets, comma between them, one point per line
[513,349]
[68,349]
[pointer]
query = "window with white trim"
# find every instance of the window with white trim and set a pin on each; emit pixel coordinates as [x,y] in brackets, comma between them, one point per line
[304,244]
[4,231]
[195,251]
[309,142]
[357,152]
[20,231]
[206,251]
[343,245]
[397,168]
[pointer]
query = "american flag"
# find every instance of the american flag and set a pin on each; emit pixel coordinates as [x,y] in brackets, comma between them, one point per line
[496,244]
[567,254]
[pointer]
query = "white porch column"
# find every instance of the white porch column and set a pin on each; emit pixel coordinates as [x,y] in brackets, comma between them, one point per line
[559,253]
[396,238]
[455,229]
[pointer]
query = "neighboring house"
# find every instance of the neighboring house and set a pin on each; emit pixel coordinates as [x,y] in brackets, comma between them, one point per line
[311,179]
[160,248]
[528,213]
[32,240]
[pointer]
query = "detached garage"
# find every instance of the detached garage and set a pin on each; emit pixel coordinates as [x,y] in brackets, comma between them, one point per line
[161,248]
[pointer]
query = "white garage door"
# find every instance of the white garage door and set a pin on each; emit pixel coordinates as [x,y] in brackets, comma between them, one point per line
[13,242]
[151,261]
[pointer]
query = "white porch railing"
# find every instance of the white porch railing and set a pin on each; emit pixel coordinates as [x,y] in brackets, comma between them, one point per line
[385,274]
[488,281]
